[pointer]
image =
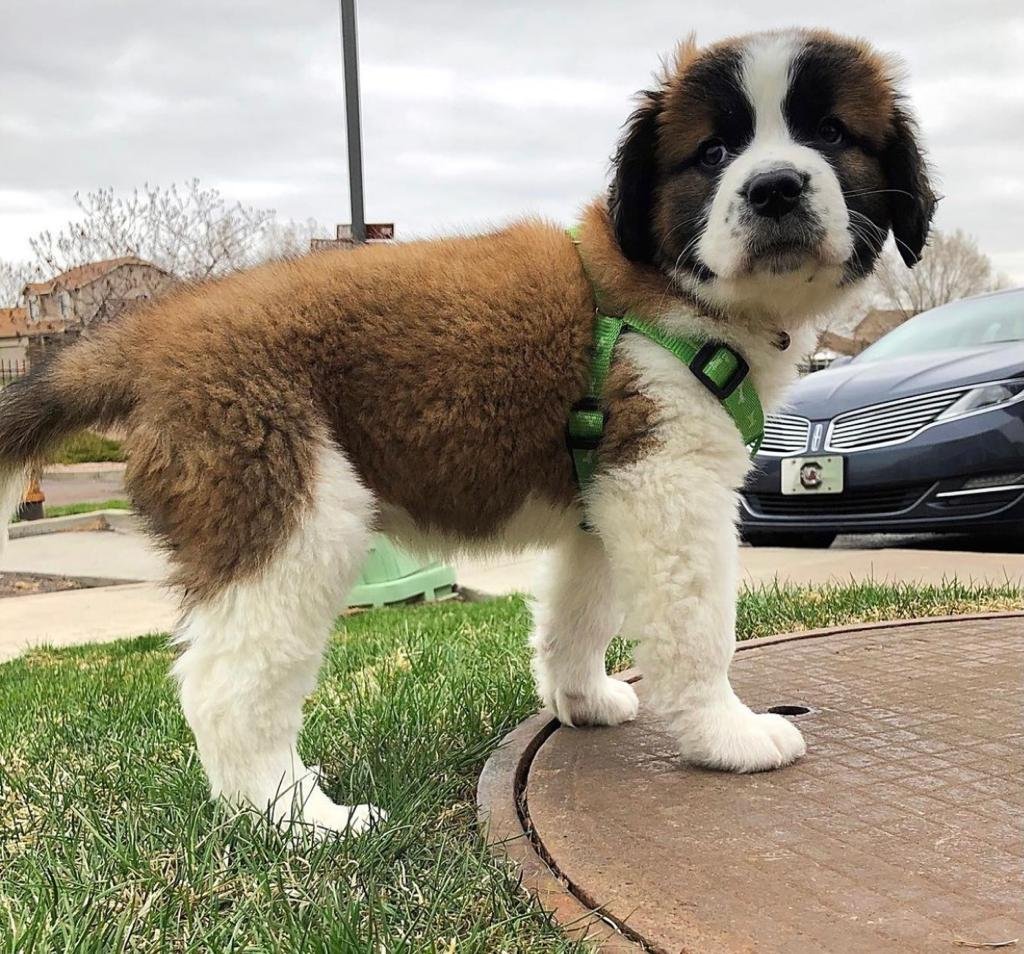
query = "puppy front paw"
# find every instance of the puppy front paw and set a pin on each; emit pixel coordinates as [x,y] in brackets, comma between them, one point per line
[732,738]
[608,702]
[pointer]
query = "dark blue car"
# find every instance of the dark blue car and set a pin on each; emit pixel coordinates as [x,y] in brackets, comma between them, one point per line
[922,432]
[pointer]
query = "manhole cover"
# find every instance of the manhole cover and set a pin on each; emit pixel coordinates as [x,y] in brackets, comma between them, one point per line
[901,830]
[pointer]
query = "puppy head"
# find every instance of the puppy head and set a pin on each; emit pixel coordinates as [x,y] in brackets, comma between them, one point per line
[765,173]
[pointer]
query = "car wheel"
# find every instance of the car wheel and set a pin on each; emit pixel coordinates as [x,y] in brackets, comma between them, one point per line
[809,539]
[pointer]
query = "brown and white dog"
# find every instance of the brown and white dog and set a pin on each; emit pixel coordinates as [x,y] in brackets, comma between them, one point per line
[276,418]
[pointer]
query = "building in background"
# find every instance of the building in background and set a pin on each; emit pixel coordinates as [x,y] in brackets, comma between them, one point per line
[19,338]
[833,344]
[13,334]
[59,310]
[95,292]
[874,325]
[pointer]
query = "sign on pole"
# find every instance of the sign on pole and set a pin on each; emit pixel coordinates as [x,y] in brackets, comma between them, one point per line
[344,238]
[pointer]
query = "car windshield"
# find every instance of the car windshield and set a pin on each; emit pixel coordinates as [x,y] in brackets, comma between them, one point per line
[963,324]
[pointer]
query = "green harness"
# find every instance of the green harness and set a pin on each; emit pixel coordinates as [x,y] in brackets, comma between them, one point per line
[717,366]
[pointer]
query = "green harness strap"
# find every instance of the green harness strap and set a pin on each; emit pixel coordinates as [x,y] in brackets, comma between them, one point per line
[717,366]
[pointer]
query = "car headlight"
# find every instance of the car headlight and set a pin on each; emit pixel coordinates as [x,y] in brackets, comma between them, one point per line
[985,397]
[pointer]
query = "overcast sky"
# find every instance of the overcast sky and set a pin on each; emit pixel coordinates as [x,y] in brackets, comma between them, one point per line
[474,112]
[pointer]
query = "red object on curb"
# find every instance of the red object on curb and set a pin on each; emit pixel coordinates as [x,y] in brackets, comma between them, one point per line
[32,503]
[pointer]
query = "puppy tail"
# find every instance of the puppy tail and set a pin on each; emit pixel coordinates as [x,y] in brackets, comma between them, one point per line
[83,385]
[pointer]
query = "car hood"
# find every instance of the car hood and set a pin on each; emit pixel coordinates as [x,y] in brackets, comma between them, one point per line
[825,394]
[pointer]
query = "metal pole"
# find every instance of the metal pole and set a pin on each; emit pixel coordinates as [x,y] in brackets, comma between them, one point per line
[355,141]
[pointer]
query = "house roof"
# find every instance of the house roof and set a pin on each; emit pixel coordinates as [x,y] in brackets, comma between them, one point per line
[14,323]
[877,322]
[83,275]
[838,343]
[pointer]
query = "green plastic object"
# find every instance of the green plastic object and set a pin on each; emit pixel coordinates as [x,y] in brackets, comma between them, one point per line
[391,575]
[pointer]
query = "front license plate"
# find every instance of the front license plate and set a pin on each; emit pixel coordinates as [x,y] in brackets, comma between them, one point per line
[812,475]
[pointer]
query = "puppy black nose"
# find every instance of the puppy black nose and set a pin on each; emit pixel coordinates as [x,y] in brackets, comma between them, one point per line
[775,193]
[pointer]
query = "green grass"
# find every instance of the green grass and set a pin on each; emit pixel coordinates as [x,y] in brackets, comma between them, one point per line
[70,510]
[108,843]
[87,447]
[767,610]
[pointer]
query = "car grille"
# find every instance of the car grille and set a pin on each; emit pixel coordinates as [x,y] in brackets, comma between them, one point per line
[848,504]
[784,434]
[889,423]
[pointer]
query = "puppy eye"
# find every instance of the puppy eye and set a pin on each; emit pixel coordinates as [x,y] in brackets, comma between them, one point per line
[713,153]
[830,131]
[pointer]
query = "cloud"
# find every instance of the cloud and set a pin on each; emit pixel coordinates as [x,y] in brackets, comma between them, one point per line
[473,113]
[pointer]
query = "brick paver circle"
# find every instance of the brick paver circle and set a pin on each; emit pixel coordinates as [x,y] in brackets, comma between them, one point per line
[901,830]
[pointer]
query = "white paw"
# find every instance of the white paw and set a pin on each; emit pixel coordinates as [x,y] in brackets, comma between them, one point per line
[732,738]
[336,820]
[302,810]
[609,702]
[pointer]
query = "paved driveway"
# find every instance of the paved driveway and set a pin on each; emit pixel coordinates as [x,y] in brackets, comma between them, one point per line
[128,555]
[105,613]
[83,483]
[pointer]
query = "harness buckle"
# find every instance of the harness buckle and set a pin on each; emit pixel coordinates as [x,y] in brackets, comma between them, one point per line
[708,351]
[582,431]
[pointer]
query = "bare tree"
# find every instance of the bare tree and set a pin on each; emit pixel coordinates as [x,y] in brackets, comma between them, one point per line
[839,321]
[844,315]
[951,268]
[288,239]
[189,231]
[14,276]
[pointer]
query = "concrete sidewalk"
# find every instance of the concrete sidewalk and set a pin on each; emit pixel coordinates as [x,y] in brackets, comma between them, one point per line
[95,615]
[801,567]
[83,483]
[109,554]
[125,553]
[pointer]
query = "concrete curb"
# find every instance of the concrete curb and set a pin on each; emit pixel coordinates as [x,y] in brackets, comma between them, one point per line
[94,520]
[84,582]
[127,520]
[504,820]
[99,467]
[471,595]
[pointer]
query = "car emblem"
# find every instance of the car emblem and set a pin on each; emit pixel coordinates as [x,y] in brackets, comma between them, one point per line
[810,475]
[816,437]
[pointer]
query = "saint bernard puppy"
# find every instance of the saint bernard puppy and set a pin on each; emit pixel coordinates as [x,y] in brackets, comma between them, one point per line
[277,418]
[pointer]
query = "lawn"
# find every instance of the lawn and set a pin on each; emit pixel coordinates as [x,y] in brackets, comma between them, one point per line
[107,841]
[87,447]
[70,510]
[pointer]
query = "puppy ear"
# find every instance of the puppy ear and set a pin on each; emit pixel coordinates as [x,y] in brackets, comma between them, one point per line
[912,202]
[631,196]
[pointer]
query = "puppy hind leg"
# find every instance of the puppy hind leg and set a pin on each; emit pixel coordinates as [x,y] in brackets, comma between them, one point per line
[575,618]
[253,651]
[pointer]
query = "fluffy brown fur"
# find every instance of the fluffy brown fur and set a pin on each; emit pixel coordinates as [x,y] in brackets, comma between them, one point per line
[445,370]
[441,375]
